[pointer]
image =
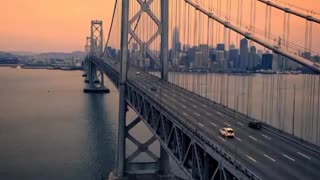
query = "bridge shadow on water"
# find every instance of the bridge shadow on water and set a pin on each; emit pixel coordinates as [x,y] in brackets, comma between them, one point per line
[101,137]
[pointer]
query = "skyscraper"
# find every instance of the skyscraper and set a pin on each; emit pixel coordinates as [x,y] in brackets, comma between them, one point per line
[252,57]
[267,61]
[220,47]
[244,52]
[204,49]
[234,57]
[176,40]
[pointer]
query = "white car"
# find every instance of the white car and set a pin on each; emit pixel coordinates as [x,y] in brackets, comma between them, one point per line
[226,132]
[137,73]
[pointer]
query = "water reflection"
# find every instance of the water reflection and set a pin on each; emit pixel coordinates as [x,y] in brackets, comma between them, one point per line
[100,137]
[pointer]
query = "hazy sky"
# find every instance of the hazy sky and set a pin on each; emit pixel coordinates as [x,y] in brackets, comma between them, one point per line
[62,25]
[49,25]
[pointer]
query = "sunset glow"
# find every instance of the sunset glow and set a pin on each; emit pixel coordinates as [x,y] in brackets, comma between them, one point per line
[59,25]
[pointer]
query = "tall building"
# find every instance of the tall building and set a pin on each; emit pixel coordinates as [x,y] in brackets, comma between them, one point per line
[252,58]
[221,60]
[204,49]
[234,58]
[212,53]
[244,53]
[275,62]
[267,61]
[220,47]
[198,59]
[176,46]
[191,55]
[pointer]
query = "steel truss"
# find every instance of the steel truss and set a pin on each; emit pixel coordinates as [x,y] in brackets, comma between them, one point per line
[141,167]
[131,167]
[96,44]
[144,46]
[197,156]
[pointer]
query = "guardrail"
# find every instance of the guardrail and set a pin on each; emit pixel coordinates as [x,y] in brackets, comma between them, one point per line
[178,120]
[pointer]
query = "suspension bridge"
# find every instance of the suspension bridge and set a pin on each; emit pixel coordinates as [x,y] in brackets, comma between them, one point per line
[139,61]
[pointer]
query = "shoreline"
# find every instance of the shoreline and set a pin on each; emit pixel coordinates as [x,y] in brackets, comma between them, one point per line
[22,66]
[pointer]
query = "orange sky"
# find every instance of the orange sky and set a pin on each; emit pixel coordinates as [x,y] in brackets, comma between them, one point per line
[49,25]
[62,25]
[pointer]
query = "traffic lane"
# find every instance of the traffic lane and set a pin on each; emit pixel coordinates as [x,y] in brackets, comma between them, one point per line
[218,139]
[296,148]
[209,131]
[301,152]
[250,139]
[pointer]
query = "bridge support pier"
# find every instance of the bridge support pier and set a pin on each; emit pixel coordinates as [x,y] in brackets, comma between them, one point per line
[94,84]
[86,70]
[164,171]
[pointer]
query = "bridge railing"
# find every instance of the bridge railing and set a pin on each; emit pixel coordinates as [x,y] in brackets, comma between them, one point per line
[229,161]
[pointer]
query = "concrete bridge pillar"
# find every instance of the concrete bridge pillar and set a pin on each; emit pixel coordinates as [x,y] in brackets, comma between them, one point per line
[95,85]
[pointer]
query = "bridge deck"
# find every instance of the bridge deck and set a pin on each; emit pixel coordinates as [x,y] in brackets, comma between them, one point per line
[269,155]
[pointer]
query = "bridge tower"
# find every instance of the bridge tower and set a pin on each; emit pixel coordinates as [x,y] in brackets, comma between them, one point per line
[95,76]
[124,165]
[84,65]
[87,46]
[96,48]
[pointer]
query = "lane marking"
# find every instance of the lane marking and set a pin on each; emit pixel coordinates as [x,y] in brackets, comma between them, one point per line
[219,113]
[270,158]
[267,137]
[194,106]
[185,114]
[240,123]
[204,105]
[227,124]
[183,106]
[304,155]
[200,124]
[222,139]
[197,114]
[208,114]
[288,157]
[253,138]
[183,100]
[251,158]
[214,124]
[238,139]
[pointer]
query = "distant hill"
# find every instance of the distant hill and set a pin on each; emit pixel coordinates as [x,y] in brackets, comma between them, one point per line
[22,53]
[8,58]
[6,54]
[60,55]
[25,54]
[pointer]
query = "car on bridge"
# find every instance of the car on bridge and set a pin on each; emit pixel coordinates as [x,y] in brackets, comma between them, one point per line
[255,125]
[137,73]
[227,132]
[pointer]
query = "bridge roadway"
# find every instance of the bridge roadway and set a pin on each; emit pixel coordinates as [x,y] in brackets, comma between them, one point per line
[269,155]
